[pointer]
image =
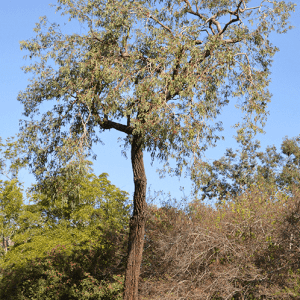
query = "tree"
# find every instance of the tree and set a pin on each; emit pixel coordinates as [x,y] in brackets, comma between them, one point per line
[46,223]
[97,200]
[54,235]
[164,68]
[10,158]
[11,200]
[290,174]
[229,176]
[11,197]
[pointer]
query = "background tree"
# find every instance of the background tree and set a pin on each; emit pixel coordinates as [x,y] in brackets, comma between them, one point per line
[11,162]
[290,174]
[165,69]
[11,200]
[11,196]
[46,223]
[77,250]
[234,173]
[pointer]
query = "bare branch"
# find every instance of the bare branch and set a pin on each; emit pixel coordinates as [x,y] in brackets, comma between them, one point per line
[161,24]
[107,124]
[195,13]
[227,24]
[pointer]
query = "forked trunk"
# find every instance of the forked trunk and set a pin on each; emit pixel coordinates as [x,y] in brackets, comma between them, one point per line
[137,222]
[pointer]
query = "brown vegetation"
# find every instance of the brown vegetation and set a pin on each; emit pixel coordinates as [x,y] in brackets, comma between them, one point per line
[246,249]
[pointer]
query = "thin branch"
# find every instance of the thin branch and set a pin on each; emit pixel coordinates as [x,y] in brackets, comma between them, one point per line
[195,13]
[161,24]
[231,41]
[249,66]
[230,22]
[211,28]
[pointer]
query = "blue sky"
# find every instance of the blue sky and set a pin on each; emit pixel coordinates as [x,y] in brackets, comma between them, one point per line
[17,20]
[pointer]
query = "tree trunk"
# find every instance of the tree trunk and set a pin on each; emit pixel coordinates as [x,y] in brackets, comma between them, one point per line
[137,222]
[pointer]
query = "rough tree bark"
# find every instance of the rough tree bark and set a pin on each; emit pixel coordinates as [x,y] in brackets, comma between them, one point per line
[137,222]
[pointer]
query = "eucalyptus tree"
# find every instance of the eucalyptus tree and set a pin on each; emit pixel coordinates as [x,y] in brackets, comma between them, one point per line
[159,72]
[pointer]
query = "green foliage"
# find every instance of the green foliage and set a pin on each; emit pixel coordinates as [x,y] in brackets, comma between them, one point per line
[167,70]
[11,197]
[11,153]
[46,223]
[11,200]
[231,175]
[95,199]
[290,174]
[52,235]
[87,272]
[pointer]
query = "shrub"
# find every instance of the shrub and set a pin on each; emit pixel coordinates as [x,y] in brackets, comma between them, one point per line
[245,249]
[91,271]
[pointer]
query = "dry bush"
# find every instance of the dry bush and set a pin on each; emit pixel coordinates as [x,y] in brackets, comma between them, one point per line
[246,249]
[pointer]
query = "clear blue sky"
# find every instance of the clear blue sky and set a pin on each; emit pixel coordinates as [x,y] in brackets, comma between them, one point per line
[17,20]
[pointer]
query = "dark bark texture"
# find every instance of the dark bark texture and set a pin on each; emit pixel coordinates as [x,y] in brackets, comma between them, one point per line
[137,222]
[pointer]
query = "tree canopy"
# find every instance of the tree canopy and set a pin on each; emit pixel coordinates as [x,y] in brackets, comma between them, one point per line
[229,176]
[44,224]
[168,68]
[62,250]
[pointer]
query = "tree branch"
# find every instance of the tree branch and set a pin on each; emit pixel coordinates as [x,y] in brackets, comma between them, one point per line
[227,24]
[195,13]
[107,124]
[161,24]
[104,123]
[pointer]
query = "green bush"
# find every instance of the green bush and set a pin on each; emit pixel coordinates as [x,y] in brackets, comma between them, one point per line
[90,271]
[67,249]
